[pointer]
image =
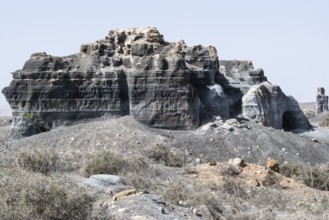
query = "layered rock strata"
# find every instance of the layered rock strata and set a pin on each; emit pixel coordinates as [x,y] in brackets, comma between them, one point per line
[130,72]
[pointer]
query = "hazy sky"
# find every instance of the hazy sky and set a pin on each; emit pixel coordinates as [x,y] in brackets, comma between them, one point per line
[289,39]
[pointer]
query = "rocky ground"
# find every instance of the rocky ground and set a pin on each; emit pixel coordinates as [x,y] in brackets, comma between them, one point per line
[182,174]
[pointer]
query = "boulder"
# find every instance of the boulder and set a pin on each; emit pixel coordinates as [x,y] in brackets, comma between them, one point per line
[237,162]
[103,182]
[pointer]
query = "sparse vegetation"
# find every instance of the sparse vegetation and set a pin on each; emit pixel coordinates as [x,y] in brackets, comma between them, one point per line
[234,188]
[38,182]
[47,161]
[104,162]
[272,180]
[26,195]
[162,154]
[135,170]
[309,113]
[313,176]
[193,195]
[324,121]
[43,161]
[228,170]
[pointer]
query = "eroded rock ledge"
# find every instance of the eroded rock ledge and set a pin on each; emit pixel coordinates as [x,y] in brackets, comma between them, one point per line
[136,72]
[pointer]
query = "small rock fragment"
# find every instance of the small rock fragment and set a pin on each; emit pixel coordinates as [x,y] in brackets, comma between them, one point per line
[239,162]
[124,194]
[197,212]
[273,165]
[212,163]
[228,127]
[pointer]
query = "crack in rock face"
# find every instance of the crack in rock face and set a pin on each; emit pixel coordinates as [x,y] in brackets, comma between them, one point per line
[136,72]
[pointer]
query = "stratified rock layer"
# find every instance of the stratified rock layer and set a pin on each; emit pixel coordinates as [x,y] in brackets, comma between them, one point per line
[130,72]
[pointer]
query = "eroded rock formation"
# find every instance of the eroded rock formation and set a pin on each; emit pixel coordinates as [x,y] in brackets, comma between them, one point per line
[321,101]
[134,72]
[267,103]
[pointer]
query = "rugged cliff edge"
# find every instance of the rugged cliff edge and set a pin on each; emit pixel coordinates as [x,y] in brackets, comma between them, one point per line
[136,72]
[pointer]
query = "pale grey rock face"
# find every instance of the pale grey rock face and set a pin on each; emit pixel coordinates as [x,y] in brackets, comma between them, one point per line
[129,72]
[269,105]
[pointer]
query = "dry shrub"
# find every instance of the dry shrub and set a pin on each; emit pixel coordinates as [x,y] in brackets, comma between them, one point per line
[292,169]
[324,121]
[271,179]
[104,162]
[162,154]
[190,170]
[141,175]
[316,177]
[309,113]
[47,161]
[26,195]
[312,176]
[228,170]
[43,161]
[234,188]
[58,199]
[12,191]
[268,197]
[192,194]
[242,216]
[135,170]
[176,192]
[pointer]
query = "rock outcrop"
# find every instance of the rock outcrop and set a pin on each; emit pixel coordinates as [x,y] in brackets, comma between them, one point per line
[321,101]
[267,103]
[133,72]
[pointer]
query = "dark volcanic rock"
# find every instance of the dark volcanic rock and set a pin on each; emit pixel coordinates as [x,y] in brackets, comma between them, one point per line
[130,72]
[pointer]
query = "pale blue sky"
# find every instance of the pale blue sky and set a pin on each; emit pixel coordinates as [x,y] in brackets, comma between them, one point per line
[289,39]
